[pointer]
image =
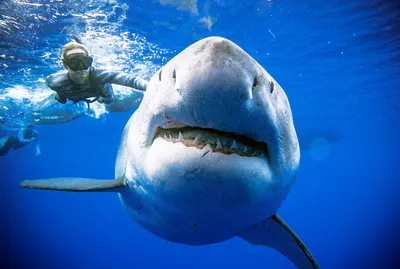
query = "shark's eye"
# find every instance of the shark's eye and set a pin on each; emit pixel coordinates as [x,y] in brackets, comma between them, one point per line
[271,86]
[159,75]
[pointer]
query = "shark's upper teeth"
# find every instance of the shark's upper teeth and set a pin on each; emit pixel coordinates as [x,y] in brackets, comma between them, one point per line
[234,145]
[216,140]
[219,145]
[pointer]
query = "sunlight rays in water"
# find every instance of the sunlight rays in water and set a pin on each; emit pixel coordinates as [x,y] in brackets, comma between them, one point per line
[124,51]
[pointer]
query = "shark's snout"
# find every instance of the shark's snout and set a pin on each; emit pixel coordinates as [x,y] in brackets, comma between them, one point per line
[214,84]
[222,68]
[220,48]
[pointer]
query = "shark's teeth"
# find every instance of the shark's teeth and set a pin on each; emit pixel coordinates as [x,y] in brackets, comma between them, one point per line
[234,146]
[214,140]
[219,145]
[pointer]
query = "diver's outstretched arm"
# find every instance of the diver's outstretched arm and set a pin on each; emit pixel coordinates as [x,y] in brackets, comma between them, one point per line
[122,79]
[124,101]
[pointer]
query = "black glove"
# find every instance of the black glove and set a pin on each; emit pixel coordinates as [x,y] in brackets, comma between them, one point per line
[60,99]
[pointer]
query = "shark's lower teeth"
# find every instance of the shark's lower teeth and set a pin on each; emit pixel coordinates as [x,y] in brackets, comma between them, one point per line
[218,143]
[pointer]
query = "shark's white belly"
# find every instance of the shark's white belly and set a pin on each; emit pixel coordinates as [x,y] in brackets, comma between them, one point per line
[198,199]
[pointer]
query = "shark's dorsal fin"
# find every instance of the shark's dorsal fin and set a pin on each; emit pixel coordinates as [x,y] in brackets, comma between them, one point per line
[76,184]
[275,233]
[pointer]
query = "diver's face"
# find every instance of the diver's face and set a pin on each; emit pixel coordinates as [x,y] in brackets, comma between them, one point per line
[78,65]
[79,77]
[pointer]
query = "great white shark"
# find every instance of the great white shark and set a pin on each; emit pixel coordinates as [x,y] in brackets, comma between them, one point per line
[211,153]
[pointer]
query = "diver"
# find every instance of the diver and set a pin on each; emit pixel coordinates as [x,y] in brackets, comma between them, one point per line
[24,136]
[80,81]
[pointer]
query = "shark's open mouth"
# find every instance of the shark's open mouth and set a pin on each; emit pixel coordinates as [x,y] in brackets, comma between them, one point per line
[219,141]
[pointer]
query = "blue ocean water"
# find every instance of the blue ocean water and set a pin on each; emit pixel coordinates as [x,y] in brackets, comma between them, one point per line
[339,63]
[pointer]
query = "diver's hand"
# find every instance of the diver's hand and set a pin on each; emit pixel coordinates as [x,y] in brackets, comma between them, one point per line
[61,99]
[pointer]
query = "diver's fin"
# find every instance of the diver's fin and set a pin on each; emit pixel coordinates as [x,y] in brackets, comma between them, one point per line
[75,184]
[275,233]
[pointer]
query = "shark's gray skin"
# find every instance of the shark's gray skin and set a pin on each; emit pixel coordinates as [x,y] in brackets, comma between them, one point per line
[211,153]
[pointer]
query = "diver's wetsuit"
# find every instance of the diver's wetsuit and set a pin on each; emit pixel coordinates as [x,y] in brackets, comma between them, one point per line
[7,143]
[98,84]
[25,136]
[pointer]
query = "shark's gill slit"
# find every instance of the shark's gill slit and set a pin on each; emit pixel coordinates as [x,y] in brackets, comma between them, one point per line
[219,141]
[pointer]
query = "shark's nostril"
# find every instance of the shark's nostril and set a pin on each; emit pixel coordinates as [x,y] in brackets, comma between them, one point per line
[159,75]
[271,86]
[174,74]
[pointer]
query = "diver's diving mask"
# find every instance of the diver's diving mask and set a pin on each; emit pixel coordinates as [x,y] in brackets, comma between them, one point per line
[78,62]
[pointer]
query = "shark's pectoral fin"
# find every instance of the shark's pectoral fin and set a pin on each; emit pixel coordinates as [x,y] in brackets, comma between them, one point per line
[275,233]
[75,184]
